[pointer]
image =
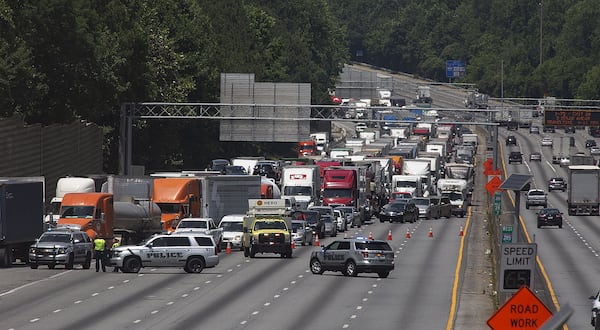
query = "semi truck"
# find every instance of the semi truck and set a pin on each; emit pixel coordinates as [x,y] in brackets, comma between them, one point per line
[307,148]
[89,212]
[346,185]
[266,229]
[302,182]
[583,196]
[135,216]
[407,184]
[21,217]
[458,193]
[422,169]
[219,195]
[177,198]
[63,186]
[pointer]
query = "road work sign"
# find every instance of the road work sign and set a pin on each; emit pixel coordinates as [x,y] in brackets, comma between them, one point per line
[523,311]
[517,266]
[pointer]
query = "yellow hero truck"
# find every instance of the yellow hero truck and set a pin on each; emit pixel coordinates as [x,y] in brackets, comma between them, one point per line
[267,228]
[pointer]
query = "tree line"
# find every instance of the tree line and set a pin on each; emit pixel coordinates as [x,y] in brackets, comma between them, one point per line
[63,60]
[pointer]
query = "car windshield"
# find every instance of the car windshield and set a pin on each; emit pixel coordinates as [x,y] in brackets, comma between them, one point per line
[551,211]
[396,207]
[77,212]
[296,226]
[382,246]
[193,224]
[297,191]
[337,193]
[421,201]
[269,225]
[55,238]
[231,226]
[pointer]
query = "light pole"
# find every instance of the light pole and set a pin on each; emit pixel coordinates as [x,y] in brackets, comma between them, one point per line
[541,4]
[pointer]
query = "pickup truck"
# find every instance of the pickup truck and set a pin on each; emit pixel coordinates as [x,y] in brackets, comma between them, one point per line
[536,197]
[205,226]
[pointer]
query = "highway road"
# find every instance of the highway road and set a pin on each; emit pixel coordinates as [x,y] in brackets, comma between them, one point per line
[266,292]
[437,284]
[569,256]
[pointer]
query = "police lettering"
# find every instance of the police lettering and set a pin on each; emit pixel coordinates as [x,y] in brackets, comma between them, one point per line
[333,257]
[161,255]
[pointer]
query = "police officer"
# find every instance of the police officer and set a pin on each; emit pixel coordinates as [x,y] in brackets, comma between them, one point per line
[116,244]
[99,247]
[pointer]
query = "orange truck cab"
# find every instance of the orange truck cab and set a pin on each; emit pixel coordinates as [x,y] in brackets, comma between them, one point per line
[92,212]
[266,191]
[177,198]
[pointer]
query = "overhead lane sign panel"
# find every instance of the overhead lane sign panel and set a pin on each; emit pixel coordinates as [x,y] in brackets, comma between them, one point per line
[455,69]
[572,117]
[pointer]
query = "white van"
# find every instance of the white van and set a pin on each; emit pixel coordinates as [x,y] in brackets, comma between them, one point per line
[232,230]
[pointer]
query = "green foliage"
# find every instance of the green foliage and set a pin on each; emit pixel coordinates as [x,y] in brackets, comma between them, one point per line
[66,59]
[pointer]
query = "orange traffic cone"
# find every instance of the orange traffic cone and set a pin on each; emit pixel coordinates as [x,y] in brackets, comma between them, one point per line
[407,233]
[389,238]
[228,248]
[370,235]
[317,240]
[461,232]
[430,231]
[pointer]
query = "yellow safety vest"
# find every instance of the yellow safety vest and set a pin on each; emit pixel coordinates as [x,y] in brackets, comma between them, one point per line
[115,244]
[99,244]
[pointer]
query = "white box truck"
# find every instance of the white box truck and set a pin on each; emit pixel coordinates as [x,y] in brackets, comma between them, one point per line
[303,182]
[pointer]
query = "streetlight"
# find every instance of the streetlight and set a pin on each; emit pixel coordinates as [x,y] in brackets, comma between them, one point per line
[541,4]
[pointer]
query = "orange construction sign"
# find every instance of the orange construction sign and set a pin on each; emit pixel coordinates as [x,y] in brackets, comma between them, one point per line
[493,183]
[523,311]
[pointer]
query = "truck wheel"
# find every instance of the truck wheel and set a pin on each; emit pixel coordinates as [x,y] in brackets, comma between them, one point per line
[252,252]
[88,261]
[69,264]
[527,206]
[132,265]
[194,265]
[246,252]
[350,269]
[51,266]
[33,265]
[316,267]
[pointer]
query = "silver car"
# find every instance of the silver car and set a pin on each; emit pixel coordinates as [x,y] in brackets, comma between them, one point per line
[353,256]
[330,225]
[302,233]
[427,209]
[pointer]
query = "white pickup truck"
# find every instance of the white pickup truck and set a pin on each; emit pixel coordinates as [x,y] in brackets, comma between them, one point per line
[205,226]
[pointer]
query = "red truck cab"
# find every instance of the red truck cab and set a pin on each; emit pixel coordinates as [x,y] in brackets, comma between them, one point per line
[340,186]
[307,148]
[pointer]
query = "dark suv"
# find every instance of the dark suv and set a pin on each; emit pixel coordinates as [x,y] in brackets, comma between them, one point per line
[353,256]
[557,184]
[61,247]
[515,157]
[549,217]
[511,139]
